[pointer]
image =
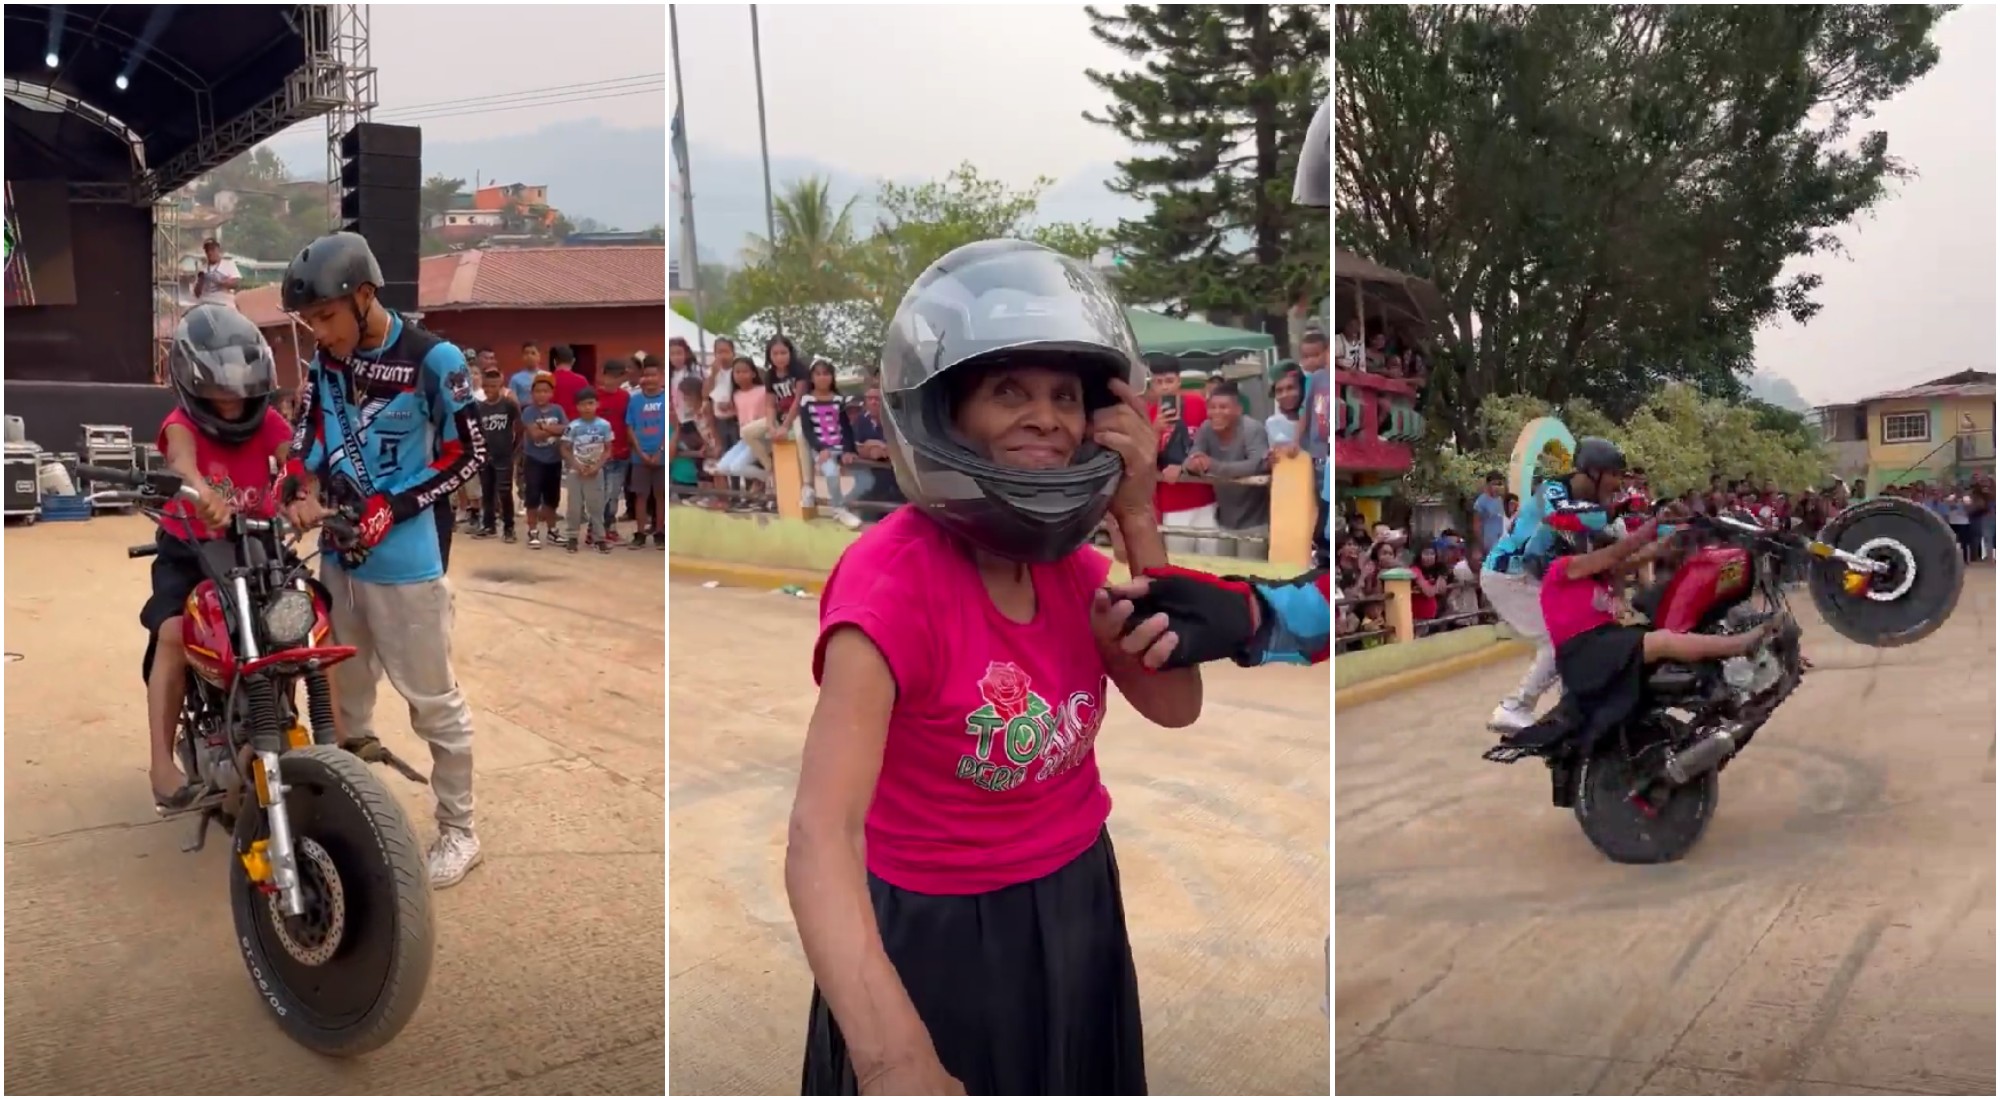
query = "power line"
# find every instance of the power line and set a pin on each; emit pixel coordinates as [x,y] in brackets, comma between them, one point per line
[405,120]
[590,86]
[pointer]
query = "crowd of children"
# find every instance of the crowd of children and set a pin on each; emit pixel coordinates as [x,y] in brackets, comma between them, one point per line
[572,448]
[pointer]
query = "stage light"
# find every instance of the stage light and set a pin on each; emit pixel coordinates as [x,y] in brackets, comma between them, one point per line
[52,60]
[122,82]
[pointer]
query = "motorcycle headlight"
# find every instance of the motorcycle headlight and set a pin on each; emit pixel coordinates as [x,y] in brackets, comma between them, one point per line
[288,619]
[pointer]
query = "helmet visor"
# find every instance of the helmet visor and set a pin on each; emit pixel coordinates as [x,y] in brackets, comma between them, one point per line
[221,357]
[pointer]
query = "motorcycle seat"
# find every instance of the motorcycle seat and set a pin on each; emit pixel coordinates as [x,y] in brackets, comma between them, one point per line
[1673,679]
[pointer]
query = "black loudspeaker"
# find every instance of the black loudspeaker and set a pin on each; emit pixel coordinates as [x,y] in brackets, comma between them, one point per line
[381,181]
[399,296]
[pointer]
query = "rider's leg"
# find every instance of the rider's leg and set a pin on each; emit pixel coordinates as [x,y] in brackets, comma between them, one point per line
[354,680]
[413,640]
[166,684]
[1666,645]
[1518,602]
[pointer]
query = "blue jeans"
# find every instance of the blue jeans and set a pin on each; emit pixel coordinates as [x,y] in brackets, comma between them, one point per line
[615,471]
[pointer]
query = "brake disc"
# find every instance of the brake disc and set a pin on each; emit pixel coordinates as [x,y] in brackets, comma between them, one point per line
[314,937]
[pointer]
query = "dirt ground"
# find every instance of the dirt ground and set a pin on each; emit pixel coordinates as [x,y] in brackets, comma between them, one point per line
[1222,839]
[121,973]
[1832,933]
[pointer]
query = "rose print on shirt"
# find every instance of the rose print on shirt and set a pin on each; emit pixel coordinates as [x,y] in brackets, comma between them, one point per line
[1024,728]
[1005,689]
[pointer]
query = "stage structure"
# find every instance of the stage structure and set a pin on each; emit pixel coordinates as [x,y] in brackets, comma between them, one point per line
[120,106]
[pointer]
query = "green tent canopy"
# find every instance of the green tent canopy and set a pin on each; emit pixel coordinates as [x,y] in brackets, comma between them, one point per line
[1169,336]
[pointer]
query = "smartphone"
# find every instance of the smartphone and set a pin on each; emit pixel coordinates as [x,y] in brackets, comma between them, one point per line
[1170,406]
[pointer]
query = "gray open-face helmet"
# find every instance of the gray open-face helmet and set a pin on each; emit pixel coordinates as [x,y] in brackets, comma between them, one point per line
[218,353]
[1313,185]
[990,304]
[334,266]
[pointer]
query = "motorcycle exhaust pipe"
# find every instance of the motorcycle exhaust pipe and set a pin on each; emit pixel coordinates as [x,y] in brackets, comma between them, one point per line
[1703,756]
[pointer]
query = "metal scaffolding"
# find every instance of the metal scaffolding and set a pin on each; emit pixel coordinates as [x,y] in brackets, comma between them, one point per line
[166,279]
[354,75]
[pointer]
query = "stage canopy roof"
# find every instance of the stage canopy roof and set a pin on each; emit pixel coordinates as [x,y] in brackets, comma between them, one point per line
[191,69]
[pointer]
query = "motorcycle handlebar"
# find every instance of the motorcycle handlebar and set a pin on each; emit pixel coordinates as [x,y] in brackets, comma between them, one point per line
[111,475]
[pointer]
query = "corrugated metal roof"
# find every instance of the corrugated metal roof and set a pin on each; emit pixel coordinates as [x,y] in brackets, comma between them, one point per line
[519,278]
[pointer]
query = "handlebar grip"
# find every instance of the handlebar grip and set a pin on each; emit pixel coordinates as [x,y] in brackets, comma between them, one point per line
[110,475]
[144,550]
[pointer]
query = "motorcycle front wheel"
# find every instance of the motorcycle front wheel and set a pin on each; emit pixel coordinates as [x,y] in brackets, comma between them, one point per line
[344,978]
[1661,825]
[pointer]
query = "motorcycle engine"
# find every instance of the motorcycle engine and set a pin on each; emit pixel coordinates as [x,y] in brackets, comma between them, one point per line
[1757,673]
[213,758]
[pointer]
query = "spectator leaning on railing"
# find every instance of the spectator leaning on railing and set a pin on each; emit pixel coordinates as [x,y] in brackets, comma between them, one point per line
[1230,445]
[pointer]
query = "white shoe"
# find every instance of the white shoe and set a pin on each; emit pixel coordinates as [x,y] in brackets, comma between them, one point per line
[455,853]
[847,519]
[807,500]
[1509,719]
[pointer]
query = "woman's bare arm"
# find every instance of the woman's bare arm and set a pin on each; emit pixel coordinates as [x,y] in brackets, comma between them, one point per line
[1170,697]
[825,869]
[1597,561]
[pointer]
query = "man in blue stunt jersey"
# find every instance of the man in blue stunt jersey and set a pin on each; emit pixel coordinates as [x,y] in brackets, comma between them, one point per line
[1512,576]
[387,426]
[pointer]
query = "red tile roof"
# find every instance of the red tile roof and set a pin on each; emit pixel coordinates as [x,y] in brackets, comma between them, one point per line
[519,278]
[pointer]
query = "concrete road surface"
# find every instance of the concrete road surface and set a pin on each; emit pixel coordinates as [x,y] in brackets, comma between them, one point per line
[1221,831]
[121,971]
[1832,933]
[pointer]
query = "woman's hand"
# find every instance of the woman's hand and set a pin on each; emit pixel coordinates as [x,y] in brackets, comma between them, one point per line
[915,1077]
[213,507]
[1122,427]
[1150,642]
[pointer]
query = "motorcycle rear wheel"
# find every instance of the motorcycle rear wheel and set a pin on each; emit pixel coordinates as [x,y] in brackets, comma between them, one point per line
[1624,832]
[346,978]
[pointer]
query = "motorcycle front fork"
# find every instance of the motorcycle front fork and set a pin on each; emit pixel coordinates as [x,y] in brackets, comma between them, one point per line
[278,855]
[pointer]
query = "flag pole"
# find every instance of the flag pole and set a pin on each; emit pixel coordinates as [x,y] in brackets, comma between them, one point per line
[690,255]
[764,140]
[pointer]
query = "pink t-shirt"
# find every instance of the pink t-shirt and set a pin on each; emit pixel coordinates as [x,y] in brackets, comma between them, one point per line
[1570,607]
[751,405]
[989,775]
[241,473]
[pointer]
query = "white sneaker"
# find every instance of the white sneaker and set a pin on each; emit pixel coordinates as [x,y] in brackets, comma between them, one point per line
[455,853]
[808,500]
[847,519]
[1510,719]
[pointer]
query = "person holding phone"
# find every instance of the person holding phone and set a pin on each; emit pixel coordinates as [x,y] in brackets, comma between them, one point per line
[1184,505]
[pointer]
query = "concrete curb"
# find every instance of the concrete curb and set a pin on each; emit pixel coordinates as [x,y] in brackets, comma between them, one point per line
[765,577]
[1371,690]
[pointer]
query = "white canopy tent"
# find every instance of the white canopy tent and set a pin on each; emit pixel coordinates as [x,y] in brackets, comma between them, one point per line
[698,338]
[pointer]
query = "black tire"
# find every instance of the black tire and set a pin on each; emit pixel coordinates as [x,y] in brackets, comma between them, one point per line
[1932,593]
[1621,830]
[362,996]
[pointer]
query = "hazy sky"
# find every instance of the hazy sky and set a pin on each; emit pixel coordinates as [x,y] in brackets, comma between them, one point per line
[428,54]
[1914,299]
[902,91]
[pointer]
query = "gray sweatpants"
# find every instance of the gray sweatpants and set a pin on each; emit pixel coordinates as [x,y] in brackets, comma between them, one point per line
[585,496]
[404,630]
[1517,599]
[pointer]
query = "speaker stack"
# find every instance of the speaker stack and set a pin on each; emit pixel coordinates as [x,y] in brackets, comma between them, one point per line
[381,181]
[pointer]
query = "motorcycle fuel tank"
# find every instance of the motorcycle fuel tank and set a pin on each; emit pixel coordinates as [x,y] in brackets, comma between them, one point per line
[205,635]
[1712,577]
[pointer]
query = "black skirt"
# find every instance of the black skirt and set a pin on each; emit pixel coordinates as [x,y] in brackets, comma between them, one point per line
[1027,990]
[1604,676]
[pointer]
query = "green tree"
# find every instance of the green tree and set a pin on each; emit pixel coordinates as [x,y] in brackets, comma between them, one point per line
[1222,97]
[1608,196]
[835,294]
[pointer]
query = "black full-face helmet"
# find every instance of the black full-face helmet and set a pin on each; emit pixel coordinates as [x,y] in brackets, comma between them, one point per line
[990,304]
[334,266]
[218,353]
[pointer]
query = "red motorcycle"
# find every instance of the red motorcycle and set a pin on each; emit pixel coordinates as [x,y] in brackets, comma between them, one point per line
[1886,573]
[328,891]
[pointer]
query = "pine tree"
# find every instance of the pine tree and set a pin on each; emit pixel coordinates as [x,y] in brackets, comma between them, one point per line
[1219,107]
